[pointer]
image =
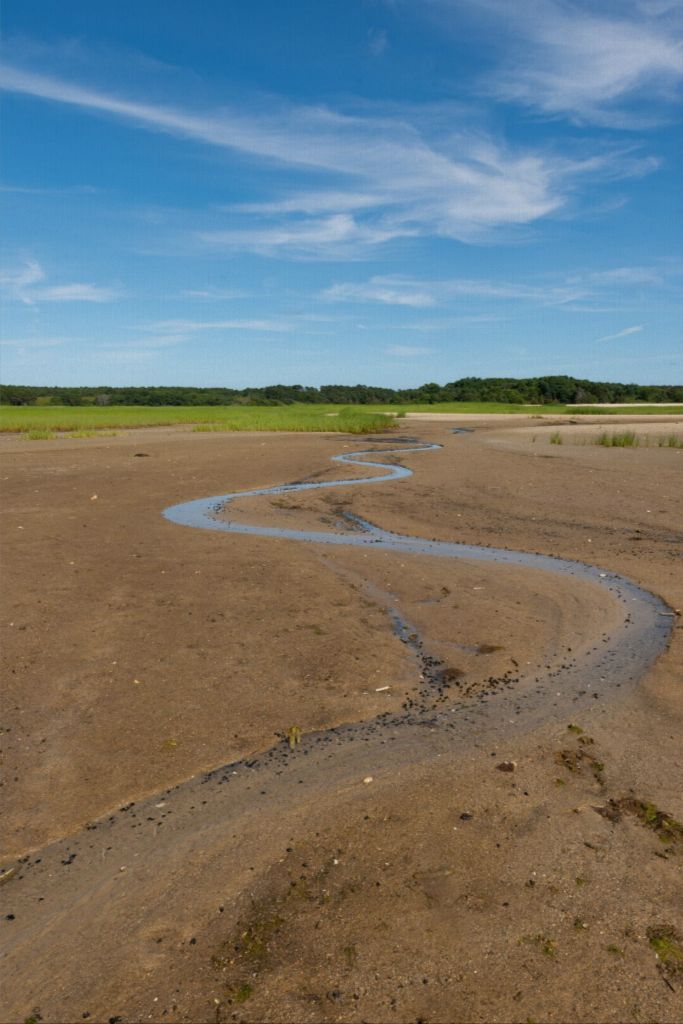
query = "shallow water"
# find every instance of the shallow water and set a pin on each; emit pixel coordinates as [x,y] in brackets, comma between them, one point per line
[610,663]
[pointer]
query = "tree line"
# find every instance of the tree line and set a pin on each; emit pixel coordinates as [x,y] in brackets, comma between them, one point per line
[512,390]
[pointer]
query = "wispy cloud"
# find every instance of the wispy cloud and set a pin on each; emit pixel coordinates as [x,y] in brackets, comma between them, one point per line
[79,292]
[593,61]
[628,276]
[622,334]
[394,291]
[407,351]
[448,324]
[586,291]
[338,236]
[391,174]
[31,343]
[214,294]
[378,42]
[76,190]
[309,202]
[27,285]
[184,327]
[402,291]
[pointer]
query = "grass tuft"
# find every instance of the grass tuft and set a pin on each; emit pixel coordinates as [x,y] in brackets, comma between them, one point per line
[38,434]
[620,439]
[668,945]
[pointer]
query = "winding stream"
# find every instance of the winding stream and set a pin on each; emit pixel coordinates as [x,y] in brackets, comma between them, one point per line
[646,622]
[607,664]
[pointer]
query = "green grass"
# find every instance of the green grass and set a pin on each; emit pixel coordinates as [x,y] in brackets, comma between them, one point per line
[299,418]
[667,944]
[620,439]
[40,434]
[40,423]
[303,417]
[629,439]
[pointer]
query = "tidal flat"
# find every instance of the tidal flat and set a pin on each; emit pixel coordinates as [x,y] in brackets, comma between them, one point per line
[173,853]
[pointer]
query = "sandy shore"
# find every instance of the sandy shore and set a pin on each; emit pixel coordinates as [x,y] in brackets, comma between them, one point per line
[140,654]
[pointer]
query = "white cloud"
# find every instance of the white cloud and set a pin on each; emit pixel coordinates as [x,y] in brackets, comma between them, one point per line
[31,273]
[393,291]
[214,294]
[595,291]
[622,334]
[26,285]
[31,343]
[184,327]
[407,351]
[74,293]
[378,42]
[448,324]
[392,174]
[332,201]
[75,190]
[593,61]
[336,236]
[402,291]
[628,276]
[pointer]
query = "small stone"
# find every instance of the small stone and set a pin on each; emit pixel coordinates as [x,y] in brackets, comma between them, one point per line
[466,816]
[506,766]
[367,780]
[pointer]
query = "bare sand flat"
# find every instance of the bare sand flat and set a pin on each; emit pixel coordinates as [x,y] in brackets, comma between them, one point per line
[493,872]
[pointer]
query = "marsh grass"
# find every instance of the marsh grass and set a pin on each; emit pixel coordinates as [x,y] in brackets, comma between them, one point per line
[620,439]
[38,434]
[77,434]
[44,422]
[629,439]
[299,419]
[76,418]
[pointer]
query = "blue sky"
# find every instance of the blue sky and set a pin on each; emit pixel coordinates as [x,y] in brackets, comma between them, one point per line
[375,191]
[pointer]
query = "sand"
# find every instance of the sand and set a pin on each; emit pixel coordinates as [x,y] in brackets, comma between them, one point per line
[139,654]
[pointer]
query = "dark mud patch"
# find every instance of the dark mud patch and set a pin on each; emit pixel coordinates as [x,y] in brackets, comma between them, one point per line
[580,760]
[663,824]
